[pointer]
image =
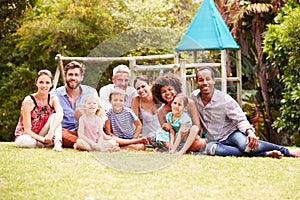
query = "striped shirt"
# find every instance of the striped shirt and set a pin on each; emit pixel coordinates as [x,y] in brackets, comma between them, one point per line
[122,123]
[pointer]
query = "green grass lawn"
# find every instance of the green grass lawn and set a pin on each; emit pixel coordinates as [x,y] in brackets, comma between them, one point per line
[45,174]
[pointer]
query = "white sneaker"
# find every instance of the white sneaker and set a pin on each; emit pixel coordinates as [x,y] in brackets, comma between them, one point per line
[212,150]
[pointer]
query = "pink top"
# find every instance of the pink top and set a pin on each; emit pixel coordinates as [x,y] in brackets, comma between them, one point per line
[91,130]
[39,117]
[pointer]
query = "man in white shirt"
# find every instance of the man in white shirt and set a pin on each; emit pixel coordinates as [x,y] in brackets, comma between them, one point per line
[120,79]
[227,129]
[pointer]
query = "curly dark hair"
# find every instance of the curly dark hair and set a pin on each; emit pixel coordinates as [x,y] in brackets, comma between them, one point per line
[168,79]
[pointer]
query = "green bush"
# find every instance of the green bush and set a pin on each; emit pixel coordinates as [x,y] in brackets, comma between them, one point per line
[72,28]
[282,44]
[49,28]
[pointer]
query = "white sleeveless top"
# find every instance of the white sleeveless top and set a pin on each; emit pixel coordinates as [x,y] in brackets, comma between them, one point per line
[150,121]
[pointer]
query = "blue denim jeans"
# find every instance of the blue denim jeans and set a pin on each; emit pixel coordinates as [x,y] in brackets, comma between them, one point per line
[235,145]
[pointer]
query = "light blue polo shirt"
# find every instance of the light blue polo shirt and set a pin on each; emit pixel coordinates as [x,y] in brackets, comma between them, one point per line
[69,121]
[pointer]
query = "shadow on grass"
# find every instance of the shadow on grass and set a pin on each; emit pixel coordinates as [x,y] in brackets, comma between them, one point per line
[135,161]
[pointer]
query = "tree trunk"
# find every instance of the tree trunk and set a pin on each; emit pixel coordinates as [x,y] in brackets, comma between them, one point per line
[258,26]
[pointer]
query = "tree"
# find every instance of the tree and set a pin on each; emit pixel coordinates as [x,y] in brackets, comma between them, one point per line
[72,28]
[247,20]
[282,43]
[12,11]
[67,27]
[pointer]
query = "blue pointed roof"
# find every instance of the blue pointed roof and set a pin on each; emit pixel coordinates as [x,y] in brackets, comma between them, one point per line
[207,31]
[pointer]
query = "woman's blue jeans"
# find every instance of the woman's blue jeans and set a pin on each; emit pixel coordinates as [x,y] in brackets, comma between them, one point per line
[235,145]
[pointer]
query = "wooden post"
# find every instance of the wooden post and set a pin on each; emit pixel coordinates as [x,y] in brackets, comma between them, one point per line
[183,75]
[132,64]
[59,70]
[194,56]
[176,57]
[239,76]
[223,71]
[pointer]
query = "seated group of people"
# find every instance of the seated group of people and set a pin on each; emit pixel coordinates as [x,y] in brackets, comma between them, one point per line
[125,117]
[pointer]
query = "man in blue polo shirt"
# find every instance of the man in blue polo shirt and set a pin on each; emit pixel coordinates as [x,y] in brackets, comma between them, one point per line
[71,97]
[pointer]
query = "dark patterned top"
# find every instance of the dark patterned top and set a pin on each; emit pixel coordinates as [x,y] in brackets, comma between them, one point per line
[39,117]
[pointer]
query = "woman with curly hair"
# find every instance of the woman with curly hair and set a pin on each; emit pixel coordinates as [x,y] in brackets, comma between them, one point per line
[165,89]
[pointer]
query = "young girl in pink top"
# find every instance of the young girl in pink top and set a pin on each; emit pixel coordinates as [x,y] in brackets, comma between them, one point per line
[91,136]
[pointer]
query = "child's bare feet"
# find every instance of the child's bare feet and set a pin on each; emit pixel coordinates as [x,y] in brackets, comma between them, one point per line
[274,154]
[143,140]
[173,152]
[57,146]
[161,150]
[79,146]
[114,149]
[295,153]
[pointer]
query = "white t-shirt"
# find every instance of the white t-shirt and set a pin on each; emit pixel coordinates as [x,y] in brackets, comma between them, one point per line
[106,90]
